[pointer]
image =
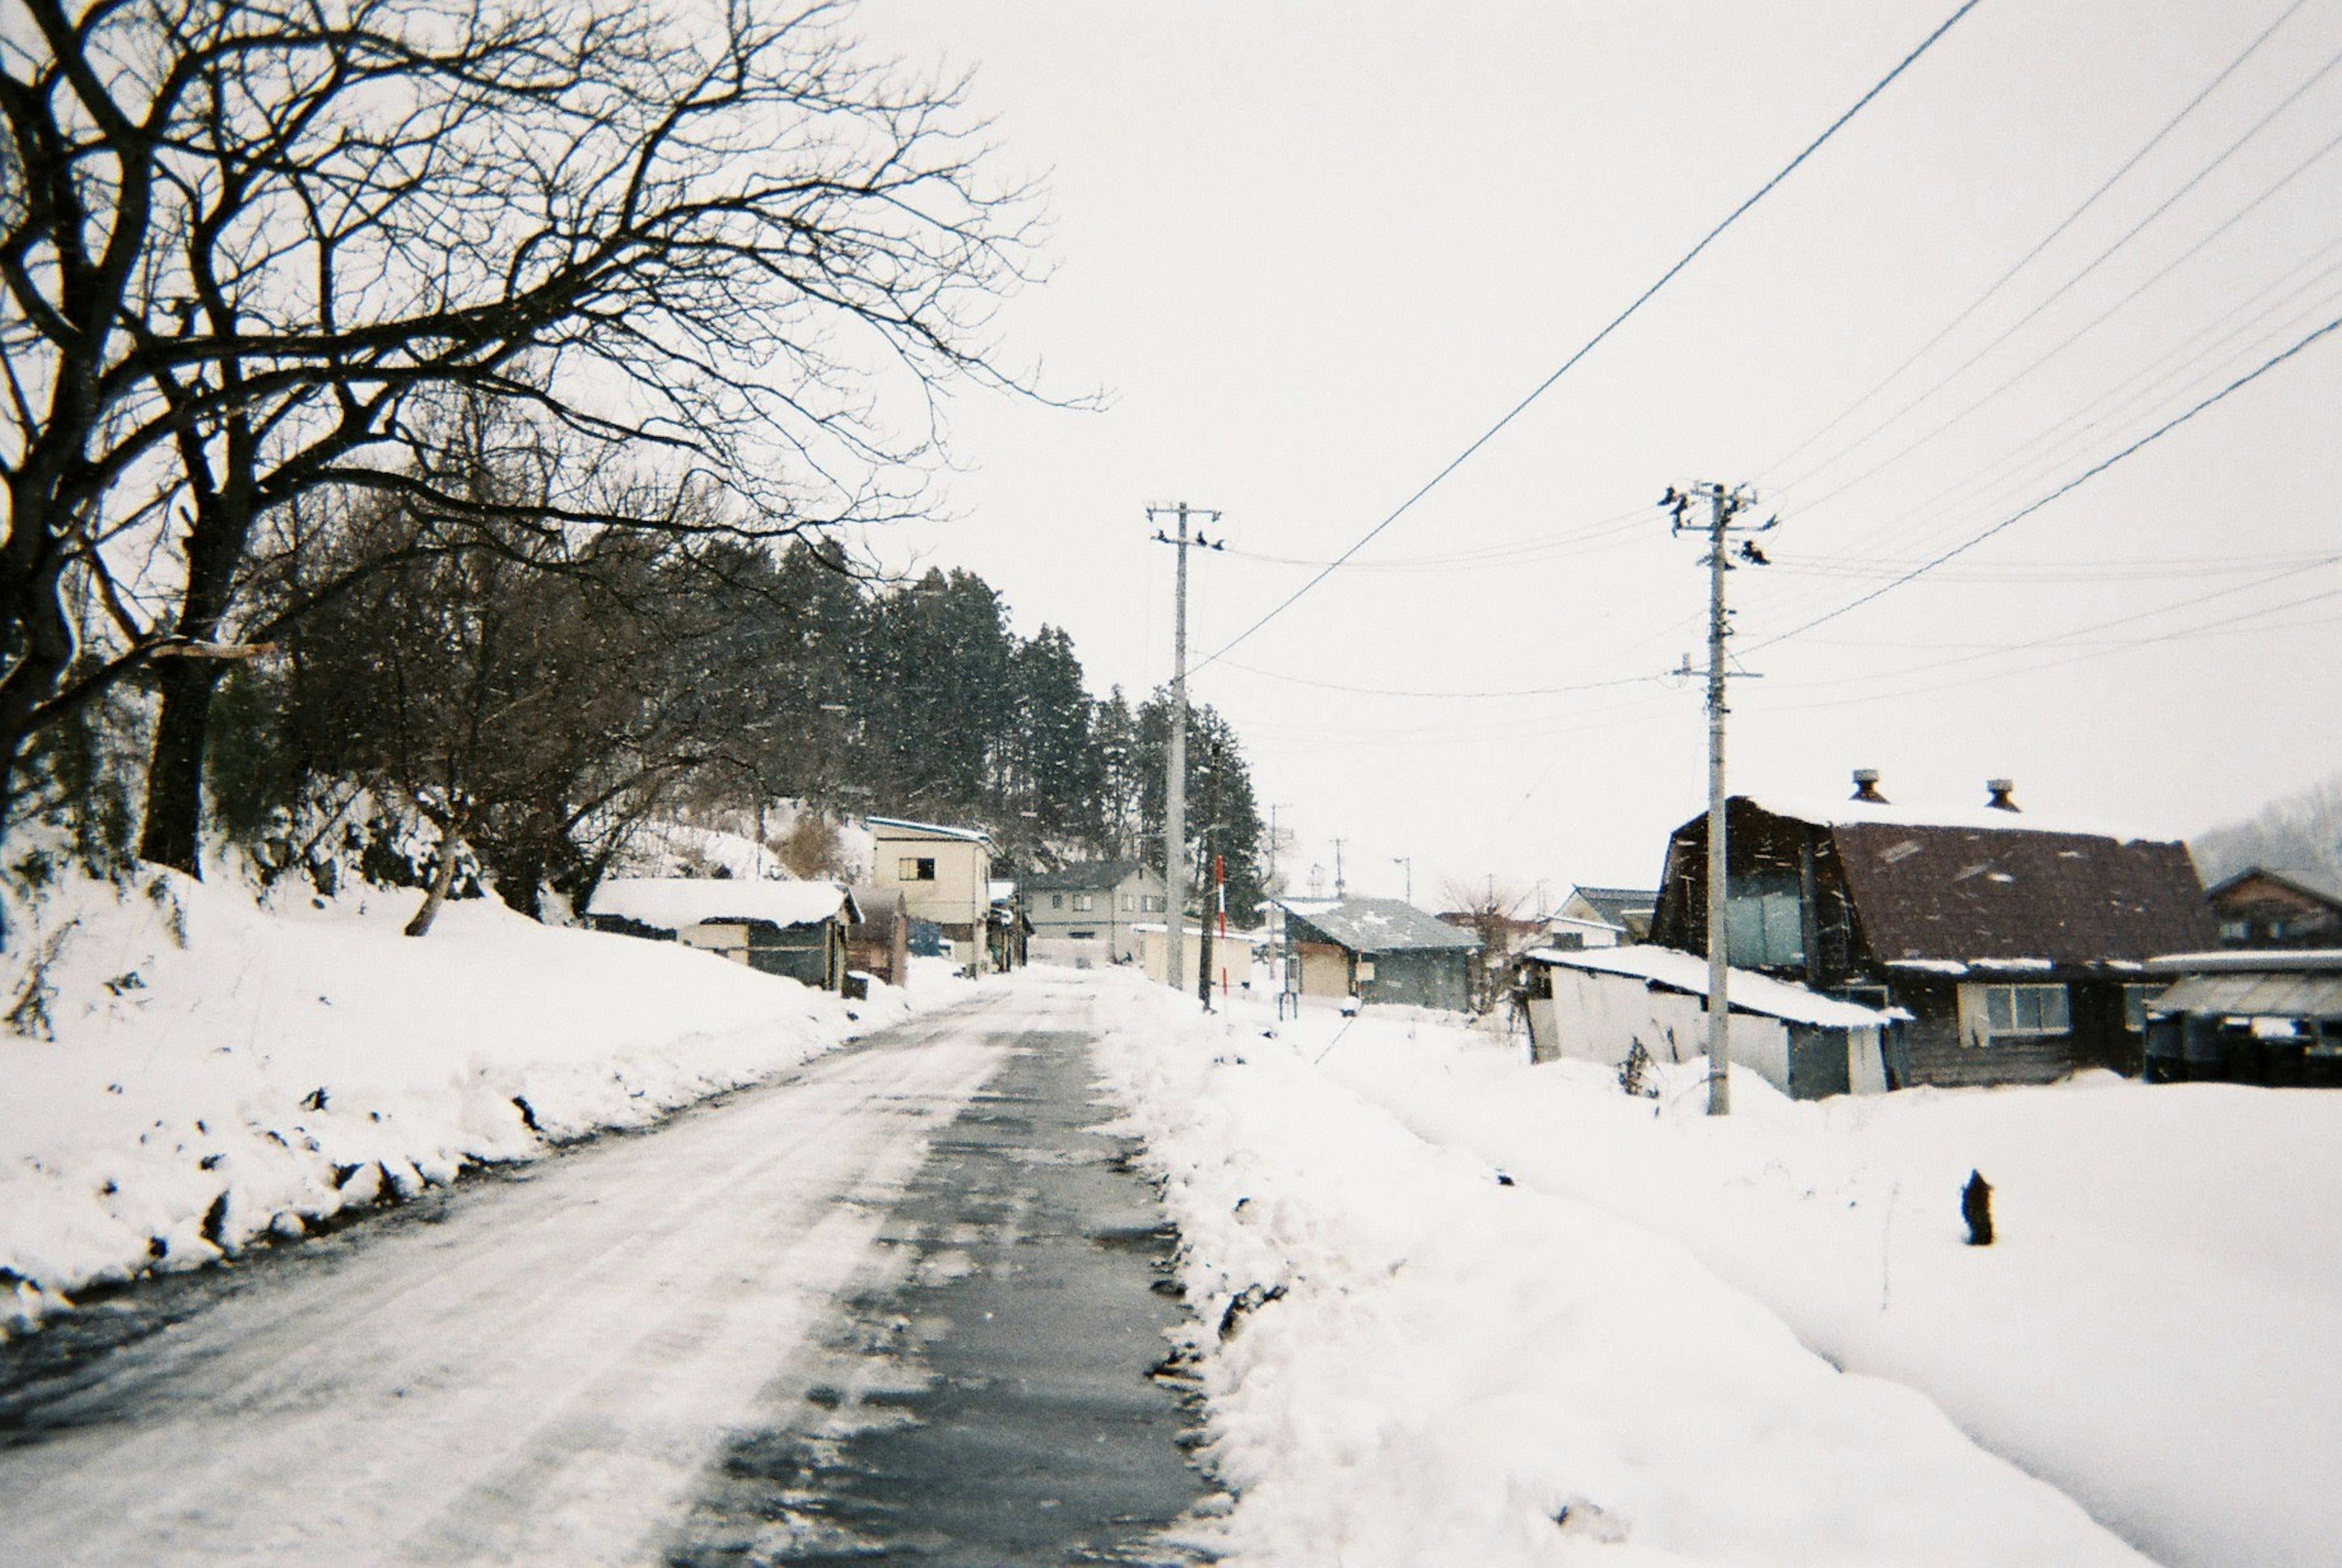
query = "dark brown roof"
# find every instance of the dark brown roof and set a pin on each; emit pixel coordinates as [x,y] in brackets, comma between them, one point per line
[1966,893]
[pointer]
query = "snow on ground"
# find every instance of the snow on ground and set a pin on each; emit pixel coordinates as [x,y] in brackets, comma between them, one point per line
[2154,1329]
[216,1074]
[1408,1360]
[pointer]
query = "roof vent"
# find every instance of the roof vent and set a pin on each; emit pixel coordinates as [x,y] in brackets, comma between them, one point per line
[1865,786]
[2000,789]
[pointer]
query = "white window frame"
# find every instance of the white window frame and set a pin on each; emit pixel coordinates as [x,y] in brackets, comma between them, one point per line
[2028,1011]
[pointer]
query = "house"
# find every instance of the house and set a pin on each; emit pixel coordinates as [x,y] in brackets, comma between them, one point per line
[945,875]
[1376,950]
[2017,949]
[1628,910]
[1083,914]
[2262,908]
[2269,1016]
[1598,1004]
[795,929]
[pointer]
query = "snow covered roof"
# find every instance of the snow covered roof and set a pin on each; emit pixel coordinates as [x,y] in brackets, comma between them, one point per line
[1845,811]
[1380,925]
[894,828]
[2249,960]
[672,902]
[1748,991]
[2263,995]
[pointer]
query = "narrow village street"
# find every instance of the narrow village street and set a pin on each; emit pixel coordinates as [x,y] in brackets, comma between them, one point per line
[901,1299]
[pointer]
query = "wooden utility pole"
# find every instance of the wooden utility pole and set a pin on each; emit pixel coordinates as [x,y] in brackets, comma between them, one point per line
[1175,768]
[1723,504]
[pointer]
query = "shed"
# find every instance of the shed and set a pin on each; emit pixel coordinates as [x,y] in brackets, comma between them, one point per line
[1598,1004]
[1376,950]
[794,929]
[2271,1016]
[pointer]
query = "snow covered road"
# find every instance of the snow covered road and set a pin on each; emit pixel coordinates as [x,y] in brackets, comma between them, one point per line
[535,1369]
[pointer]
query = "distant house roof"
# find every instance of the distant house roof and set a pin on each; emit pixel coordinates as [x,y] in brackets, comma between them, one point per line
[1083,876]
[1993,886]
[1615,904]
[672,902]
[2298,883]
[1745,991]
[886,827]
[1378,925]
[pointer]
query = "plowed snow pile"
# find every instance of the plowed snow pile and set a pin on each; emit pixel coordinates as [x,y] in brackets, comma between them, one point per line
[1408,1360]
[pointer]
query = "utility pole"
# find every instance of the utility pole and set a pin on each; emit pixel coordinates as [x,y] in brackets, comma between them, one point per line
[1723,504]
[1175,770]
[1339,890]
[1207,861]
[1406,864]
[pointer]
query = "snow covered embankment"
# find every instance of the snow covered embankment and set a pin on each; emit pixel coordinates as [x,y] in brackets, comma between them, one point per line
[1410,1361]
[186,1075]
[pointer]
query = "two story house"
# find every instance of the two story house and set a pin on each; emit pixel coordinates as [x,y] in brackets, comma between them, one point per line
[945,875]
[2018,950]
[1083,914]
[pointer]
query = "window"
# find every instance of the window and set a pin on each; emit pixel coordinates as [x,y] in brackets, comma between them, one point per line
[1129,902]
[1084,902]
[1151,903]
[1080,935]
[2026,1010]
[1057,901]
[2135,1001]
[2236,929]
[917,870]
[1764,924]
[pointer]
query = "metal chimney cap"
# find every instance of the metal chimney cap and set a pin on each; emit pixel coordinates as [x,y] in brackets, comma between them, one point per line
[2001,791]
[1865,785]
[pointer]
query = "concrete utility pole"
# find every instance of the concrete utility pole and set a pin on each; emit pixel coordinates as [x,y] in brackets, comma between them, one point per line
[1175,768]
[1722,506]
[1339,890]
[1406,864]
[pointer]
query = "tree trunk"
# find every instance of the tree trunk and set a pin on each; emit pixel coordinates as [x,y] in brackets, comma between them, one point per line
[175,773]
[442,877]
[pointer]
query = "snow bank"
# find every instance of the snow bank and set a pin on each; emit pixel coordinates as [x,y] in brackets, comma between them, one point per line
[212,1074]
[2153,1330]
[1407,1359]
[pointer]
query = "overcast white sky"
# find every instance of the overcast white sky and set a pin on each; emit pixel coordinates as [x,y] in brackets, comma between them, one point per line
[1313,250]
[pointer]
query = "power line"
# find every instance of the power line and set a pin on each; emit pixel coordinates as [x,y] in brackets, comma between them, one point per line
[1443,696]
[2096,262]
[1591,344]
[1989,397]
[2181,634]
[2161,431]
[2046,241]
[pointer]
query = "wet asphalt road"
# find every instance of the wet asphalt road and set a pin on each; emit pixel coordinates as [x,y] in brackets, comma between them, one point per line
[993,1406]
[900,1307]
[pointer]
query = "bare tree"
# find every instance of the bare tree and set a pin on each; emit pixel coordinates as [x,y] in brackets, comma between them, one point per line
[1489,910]
[252,246]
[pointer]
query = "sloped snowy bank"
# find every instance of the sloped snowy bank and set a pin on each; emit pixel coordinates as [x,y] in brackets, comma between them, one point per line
[1410,1360]
[188,1075]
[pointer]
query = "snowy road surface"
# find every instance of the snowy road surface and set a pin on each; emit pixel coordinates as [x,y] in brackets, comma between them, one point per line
[548,1368]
